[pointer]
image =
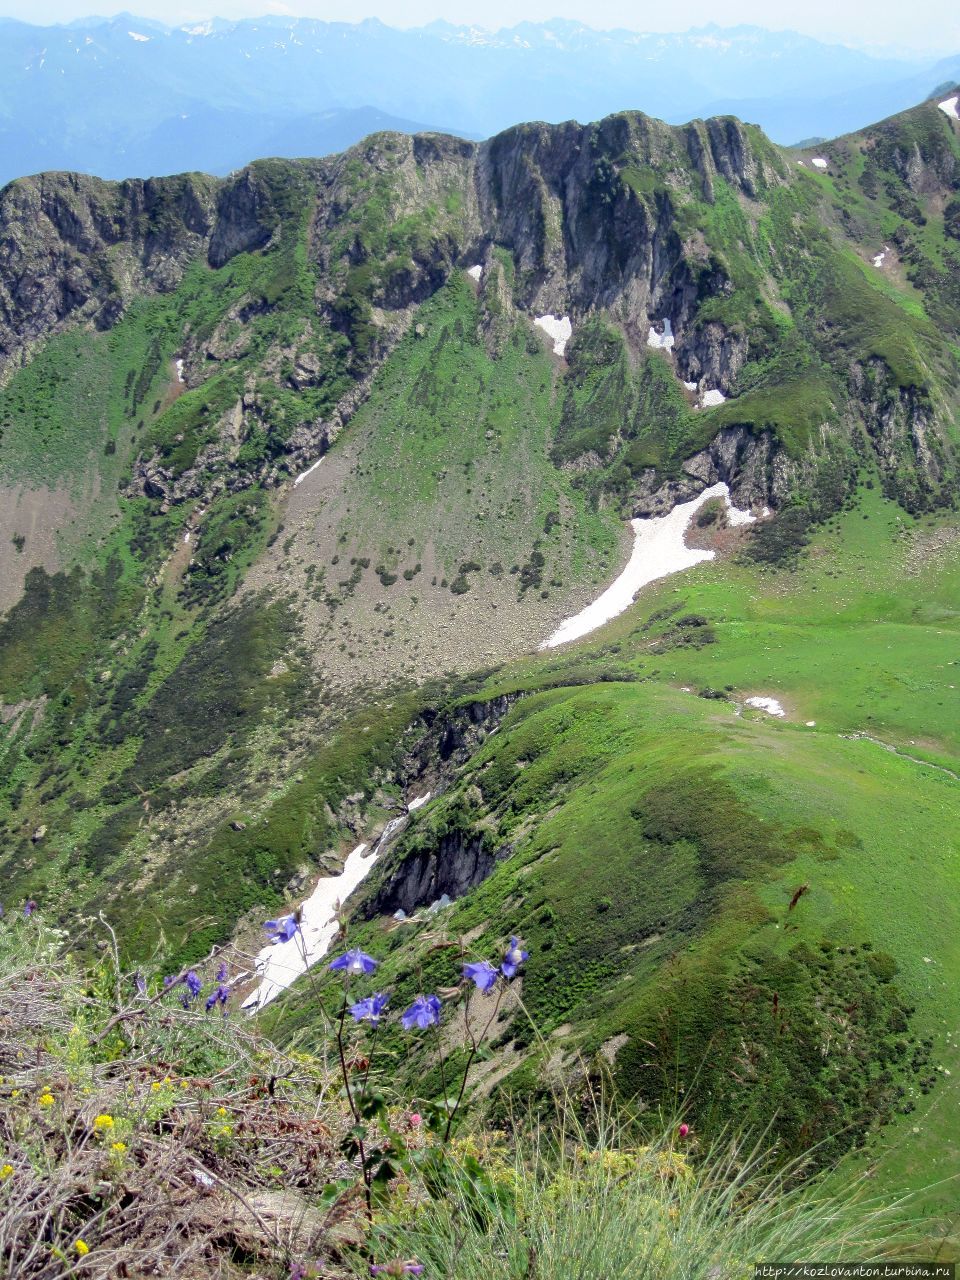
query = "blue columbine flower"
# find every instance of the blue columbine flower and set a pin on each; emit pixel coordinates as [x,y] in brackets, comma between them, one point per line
[282,930]
[220,996]
[513,959]
[423,1013]
[354,963]
[482,974]
[371,1009]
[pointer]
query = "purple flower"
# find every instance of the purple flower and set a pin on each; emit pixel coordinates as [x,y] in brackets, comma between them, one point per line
[194,985]
[169,980]
[397,1268]
[371,1009]
[282,930]
[482,974]
[220,996]
[513,959]
[423,1013]
[140,984]
[353,963]
[222,973]
[29,907]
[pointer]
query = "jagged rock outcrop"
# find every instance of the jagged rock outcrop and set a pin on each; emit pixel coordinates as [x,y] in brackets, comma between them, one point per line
[457,863]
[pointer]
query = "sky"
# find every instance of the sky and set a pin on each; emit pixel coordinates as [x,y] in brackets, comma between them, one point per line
[927,26]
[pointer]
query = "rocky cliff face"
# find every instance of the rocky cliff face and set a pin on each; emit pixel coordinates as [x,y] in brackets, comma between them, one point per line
[613,219]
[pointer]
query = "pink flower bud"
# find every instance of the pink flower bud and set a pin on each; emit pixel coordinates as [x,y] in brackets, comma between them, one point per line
[416,1120]
[683,1130]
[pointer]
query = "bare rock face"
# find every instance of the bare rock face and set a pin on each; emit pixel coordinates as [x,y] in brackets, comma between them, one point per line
[75,249]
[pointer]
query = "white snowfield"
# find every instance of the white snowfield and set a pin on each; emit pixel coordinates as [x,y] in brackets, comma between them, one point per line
[878,260]
[710,399]
[303,474]
[770,705]
[818,162]
[180,377]
[661,341]
[558,328]
[950,106]
[278,964]
[135,35]
[475,272]
[658,551]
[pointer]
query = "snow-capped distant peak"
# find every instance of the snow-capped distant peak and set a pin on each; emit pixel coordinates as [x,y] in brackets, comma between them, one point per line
[201,29]
[949,107]
[135,35]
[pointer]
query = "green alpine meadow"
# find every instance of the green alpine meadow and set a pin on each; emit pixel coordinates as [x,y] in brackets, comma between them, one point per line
[526,574]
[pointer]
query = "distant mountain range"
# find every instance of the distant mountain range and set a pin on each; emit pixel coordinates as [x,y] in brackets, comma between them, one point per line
[128,96]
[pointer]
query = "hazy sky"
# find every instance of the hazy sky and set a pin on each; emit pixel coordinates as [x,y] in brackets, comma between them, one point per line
[932,26]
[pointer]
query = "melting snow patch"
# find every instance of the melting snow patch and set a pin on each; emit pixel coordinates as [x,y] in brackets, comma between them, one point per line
[658,550]
[811,724]
[878,260]
[303,474]
[558,328]
[186,536]
[280,963]
[819,163]
[710,399]
[950,107]
[662,341]
[475,272]
[180,377]
[770,705]
[691,386]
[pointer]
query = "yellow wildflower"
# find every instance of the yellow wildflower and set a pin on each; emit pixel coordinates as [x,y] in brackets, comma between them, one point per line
[102,1123]
[15,1094]
[184,1084]
[81,1247]
[221,1111]
[118,1147]
[225,1132]
[156,1086]
[46,1098]
[6,1171]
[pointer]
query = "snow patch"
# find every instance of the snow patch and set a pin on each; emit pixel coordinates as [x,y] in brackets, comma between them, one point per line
[949,107]
[710,399]
[691,386]
[658,551]
[303,474]
[558,328]
[661,341]
[878,260]
[770,705]
[186,536]
[279,964]
[819,163]
[135,35]
[180,377]
[475,272]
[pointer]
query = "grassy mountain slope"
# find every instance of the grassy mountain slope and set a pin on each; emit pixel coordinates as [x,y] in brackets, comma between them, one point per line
[215,682]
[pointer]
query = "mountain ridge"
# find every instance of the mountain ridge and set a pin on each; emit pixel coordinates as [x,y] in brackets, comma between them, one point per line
[195,85]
